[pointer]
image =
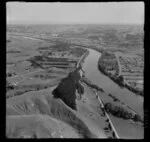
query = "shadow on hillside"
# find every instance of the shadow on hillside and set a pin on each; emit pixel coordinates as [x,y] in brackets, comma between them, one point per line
[66,89]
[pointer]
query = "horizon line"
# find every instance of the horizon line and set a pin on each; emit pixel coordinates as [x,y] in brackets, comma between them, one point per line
[56,23]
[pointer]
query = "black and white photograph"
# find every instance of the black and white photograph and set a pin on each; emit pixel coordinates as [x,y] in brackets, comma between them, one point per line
[75,70]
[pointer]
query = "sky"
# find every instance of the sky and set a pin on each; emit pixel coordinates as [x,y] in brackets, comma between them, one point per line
[80,13]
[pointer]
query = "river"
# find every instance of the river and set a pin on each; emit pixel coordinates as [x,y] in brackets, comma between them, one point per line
[90,66]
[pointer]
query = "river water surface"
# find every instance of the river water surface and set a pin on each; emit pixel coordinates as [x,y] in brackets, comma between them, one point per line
[90,67]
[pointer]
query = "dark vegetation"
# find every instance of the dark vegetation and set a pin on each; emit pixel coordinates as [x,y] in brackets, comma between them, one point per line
[45,76]
[77,51]
[93,37]
[10,74]
[80,88]
[9,86]
[20,90]
[60,47]
[134,90]
[13,51]
[108,62]
[86,81]
[34,64]
[121,112]
[46,62]
[51,59]
[114,98]
[117,79]
[66,89]
[8,40]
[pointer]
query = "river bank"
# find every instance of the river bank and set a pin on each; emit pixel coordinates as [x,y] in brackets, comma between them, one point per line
[81,61]
[124,114]
[89,83]
[106,68]
[117,111]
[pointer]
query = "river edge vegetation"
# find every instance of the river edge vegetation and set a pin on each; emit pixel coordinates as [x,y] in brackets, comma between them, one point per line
[123,113]
[108,65]
[116,110]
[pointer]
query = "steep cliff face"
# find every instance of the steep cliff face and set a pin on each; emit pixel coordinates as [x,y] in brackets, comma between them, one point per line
[66,89]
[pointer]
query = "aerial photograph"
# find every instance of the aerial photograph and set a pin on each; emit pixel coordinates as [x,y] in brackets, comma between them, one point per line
[75,70]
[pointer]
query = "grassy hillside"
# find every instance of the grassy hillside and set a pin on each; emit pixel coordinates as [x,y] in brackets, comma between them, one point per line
[45,105]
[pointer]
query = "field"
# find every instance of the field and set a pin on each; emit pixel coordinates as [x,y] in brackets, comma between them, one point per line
[132,68]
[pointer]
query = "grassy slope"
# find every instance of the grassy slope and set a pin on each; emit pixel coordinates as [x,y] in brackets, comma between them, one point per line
[37,126]
[43,103]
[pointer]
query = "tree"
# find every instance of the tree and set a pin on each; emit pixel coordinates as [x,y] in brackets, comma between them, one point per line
[121,78]
[136,117]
